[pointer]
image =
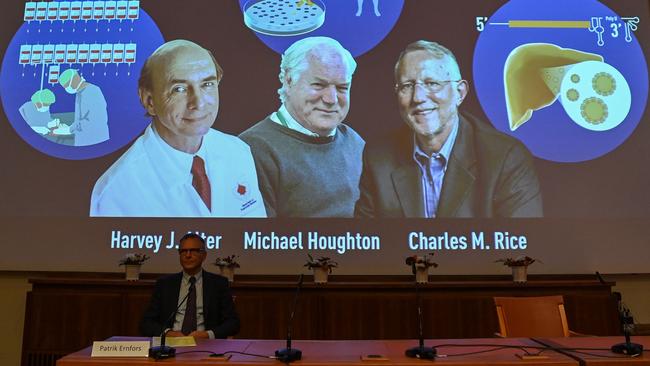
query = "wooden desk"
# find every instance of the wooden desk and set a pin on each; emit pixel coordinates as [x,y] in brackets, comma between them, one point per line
[67,314]
[602,357]
[340,353]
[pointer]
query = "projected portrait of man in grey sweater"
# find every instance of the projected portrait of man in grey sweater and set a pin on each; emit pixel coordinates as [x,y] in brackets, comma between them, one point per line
[308,161]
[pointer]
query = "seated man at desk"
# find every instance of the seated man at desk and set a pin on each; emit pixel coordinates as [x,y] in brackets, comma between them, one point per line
[208,311]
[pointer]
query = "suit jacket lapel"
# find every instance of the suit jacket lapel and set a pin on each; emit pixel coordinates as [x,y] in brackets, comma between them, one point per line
[408,186]
[406,178]
[461,172]
[176,285]
[170,302]
[207,289]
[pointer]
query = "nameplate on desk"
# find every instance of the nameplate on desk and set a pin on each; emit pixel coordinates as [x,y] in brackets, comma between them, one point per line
[531,357]
[120,349]
[374,357]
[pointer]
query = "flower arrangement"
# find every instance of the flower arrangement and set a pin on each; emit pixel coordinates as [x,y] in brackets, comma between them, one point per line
[521,261]
[229,261]
[322,262]
[425,261]
[133,259]
[519,267]
[227,266]
[420,266]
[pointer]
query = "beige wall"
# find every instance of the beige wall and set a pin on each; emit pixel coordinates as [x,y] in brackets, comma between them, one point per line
[13,289]
[636,295]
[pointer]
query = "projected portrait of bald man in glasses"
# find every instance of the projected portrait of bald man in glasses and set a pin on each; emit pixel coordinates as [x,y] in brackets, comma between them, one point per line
[443,163]
[180,166]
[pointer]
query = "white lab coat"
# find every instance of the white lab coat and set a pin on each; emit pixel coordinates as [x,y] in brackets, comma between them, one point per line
[152,179]
[90,124]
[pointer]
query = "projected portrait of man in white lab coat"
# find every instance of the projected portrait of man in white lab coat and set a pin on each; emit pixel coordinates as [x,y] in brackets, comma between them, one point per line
[181,166]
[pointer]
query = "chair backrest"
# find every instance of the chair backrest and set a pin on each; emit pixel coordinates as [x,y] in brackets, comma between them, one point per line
[532,316]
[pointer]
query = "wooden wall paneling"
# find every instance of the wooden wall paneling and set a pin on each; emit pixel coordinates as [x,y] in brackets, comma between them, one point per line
[367,314]
[599,320]
[265,313]
[134,304]
[65,315]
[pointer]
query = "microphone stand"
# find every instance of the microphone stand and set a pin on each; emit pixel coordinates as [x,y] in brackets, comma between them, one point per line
[291,354]
[627,348]
[163,351]
[421,352]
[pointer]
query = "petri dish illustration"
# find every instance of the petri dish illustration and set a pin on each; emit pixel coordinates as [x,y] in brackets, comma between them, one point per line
[284,17]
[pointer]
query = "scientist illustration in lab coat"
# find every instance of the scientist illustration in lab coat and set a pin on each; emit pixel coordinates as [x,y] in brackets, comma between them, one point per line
[180,166]
[90,124]
[36,111]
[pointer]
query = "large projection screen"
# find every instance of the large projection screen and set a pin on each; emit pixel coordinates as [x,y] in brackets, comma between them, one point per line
[588,133]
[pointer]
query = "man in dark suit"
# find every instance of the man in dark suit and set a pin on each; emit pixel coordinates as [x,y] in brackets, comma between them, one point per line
[208,312]
[444,164]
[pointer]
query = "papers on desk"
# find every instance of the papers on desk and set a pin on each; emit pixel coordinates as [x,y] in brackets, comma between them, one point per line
[174,341]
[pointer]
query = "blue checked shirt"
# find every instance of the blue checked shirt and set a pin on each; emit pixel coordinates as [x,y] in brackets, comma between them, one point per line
[432,169]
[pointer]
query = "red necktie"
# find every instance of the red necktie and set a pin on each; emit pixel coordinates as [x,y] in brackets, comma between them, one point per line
[200,181]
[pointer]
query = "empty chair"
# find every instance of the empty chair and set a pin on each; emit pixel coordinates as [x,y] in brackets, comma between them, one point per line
[542,316]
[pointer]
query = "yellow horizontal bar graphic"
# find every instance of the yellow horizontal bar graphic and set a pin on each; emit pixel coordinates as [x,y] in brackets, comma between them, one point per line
[549,24]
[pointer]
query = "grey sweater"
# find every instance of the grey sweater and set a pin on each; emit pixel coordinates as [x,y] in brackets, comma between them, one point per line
[305,176]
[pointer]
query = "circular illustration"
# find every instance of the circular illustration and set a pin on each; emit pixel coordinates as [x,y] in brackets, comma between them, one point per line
[70,74]
[358,25]
[571,83]
[283,18]
[599,100]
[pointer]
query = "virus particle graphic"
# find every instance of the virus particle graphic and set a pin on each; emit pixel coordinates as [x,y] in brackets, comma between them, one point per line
[594,111]
[604,84]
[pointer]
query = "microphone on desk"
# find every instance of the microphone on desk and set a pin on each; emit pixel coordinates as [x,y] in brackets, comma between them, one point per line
[291,354]
[627,321]
[162,351]
[422,352]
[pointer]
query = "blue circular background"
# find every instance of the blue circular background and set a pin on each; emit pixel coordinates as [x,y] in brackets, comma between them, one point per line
[357,34]
[125,114]
[550,134]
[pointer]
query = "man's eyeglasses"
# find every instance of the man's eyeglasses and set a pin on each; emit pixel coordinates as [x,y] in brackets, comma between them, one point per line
[432,86]
[190,250]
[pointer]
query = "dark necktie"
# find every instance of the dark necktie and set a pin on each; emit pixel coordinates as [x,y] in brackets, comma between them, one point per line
[200,181]
[189,321]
